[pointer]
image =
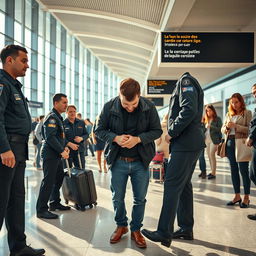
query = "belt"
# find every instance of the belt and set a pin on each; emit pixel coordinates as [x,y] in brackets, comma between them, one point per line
[128,159]
[17,138]
[231,136]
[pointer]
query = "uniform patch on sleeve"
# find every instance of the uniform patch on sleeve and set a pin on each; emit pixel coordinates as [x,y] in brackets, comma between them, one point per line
[52,121]
[52,125]
[17,96]
[188,89]
[1,89]
[185,82]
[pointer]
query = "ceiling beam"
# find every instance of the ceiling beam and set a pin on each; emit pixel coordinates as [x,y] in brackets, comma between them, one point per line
[103,15]
[115,39]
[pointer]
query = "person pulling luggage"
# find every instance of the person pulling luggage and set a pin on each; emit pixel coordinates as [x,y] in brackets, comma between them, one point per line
[54,148]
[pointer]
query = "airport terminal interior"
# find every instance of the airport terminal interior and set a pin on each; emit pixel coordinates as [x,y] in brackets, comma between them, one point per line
[84,48]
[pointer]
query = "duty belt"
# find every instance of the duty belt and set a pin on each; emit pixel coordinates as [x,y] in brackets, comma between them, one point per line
[128,159]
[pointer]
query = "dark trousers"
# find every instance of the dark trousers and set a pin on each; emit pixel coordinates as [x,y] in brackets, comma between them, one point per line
[89,144]
[235,167]
[178,193]
[253,167]
[73,159]
[12,198]
[202,164]
[51,183]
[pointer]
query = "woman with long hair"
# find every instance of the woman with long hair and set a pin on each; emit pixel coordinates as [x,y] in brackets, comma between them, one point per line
[213,136]
[236,126]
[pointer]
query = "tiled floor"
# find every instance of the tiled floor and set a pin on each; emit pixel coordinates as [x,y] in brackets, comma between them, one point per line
[219,230]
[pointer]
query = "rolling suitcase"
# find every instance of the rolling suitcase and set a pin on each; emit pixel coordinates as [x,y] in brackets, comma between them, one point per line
[79,187]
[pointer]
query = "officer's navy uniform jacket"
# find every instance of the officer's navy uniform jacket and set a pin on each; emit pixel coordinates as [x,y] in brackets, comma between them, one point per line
[76,129]
[185,114]
[14,114]
[53,133]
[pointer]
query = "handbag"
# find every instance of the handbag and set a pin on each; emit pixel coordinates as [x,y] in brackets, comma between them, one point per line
[221,148]
[243,152]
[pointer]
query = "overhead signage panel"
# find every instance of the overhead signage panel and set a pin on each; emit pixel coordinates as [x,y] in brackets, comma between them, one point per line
[161,86]
[207,47]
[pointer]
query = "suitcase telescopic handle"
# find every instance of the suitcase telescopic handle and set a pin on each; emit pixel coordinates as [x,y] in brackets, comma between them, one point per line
[67,164]
[79,160]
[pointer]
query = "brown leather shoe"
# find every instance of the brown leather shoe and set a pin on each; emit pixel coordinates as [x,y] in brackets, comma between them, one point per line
[139,239]
[116,236]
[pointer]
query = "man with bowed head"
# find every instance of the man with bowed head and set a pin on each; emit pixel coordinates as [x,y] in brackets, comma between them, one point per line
[129,124]
[15,126]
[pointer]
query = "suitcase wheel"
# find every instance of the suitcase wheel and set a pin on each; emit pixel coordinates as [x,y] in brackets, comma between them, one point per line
[66,201]
[95,203]
[90,206]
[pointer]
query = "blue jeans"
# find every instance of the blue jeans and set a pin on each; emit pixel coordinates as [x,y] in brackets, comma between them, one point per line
[139,175]
[235,166]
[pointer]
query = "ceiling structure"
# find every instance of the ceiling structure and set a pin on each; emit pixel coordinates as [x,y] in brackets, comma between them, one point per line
[125,34]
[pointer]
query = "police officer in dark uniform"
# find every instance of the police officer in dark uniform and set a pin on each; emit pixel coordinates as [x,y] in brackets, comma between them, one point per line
[76,133]
[53,149]
[15,126]
[186,143]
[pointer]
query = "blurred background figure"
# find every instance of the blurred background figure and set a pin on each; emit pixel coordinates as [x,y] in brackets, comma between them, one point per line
[202,163]
[213,136]
[39,137]
[99,148]
[236,126]
[89,142]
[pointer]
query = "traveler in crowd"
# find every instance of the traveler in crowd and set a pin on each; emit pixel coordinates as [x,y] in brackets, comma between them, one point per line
[99,146]
[129,124]
[35,121]
[15,127]
[186,143]
[89,142]
[251,142]
[213,137]
[79,115]
[76,133]
[236,127]
[54,148]
[201,159]
[161,144]
[39,137]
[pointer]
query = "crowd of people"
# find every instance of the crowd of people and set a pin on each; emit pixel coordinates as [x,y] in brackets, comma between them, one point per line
[128,131]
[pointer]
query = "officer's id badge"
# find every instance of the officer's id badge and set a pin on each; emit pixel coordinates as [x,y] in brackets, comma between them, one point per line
[188,89]
[1,89]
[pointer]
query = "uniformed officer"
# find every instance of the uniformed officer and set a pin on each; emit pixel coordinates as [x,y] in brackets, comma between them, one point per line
[186,143]
[15,126]
[76,133]
[53,149]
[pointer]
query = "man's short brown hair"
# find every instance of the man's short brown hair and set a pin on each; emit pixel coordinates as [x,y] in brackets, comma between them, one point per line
[129,88]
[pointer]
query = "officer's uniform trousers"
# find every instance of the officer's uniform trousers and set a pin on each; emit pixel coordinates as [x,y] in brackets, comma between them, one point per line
[12,195]
[51,183]
[73,159]
[178,193]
